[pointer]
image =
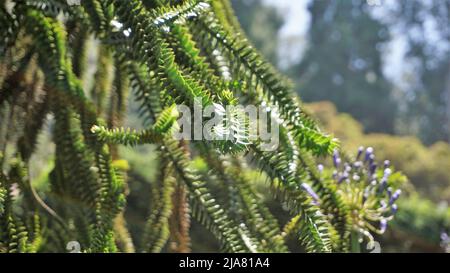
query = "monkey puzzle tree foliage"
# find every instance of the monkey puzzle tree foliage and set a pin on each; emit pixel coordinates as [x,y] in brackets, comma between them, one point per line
[166,53]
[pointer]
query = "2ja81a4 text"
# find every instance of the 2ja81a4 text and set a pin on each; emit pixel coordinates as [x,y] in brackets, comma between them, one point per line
[225,262]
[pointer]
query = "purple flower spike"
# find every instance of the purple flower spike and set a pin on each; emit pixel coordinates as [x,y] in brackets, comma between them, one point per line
[357,164]
[387,163]
[369,151]
[394,208]
[320,168]
[360,150]
[383,184]
[347,168]
[336,159]
[311,192]
[343,177]
[371,159]
[373,168]
[389,192]
[383,225]
[395,196]
[444,237]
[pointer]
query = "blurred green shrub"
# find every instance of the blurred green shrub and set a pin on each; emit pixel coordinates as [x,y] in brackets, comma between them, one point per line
[423,218]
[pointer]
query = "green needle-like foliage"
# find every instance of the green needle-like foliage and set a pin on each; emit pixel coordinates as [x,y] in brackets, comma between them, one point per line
[164,54]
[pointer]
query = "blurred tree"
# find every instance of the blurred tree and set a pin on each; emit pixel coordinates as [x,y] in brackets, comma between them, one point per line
[344,63]
[261,24]
[426,28]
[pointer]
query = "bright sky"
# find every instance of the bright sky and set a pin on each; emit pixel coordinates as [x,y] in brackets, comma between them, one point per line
[297,21]
[293,33]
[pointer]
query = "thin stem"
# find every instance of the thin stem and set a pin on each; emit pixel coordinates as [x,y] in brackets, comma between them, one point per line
[355,242]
